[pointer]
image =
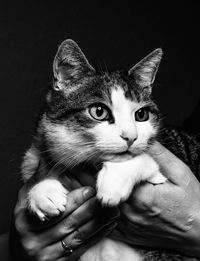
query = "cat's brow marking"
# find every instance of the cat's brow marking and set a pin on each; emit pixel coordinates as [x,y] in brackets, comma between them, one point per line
[120,104]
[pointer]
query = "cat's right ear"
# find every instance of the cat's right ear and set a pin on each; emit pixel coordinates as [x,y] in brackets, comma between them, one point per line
[145,71]
[70,64]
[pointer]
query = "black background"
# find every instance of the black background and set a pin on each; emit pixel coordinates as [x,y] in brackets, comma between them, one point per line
[113,35]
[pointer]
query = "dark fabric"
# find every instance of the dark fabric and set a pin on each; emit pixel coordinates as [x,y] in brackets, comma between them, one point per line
[184,146]
[4,248]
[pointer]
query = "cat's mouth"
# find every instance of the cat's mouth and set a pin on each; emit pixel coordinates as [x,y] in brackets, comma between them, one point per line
[119,156]
[123,155]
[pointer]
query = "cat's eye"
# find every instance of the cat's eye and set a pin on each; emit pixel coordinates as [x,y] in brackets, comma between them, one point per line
[142,114]
[99,112]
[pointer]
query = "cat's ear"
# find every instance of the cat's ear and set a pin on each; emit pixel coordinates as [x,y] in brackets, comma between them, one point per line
[144,72]
[70,63]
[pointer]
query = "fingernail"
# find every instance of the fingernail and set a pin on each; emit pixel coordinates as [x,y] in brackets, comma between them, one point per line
[88,192]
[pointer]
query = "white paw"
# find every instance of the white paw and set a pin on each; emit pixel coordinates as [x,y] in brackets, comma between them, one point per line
[47,199]
[157,178]
[112,186]
[110,198]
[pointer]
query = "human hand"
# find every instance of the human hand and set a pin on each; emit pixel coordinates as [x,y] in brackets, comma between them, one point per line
[167,215]
[83,223]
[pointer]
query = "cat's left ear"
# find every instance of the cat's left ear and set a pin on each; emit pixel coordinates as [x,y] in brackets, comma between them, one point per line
[70,64]
[145,71]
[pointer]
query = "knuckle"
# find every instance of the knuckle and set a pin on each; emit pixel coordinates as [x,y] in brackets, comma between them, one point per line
[30,246]
[77,198]
[79,236]
[184,169]
[145,200]
[69,224]
[181,168]
[43,257]
[19,225]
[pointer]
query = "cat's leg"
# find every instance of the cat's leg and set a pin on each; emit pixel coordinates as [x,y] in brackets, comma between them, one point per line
[114,183]
[150,170]
[116,179]
[47,198]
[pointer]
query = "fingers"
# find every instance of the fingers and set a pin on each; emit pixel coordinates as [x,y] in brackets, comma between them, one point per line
[79,241]
[83,220]
[171,166]
[81,207]
[83,234]
[27,222]
[78,233]
[90,210]
[70,223]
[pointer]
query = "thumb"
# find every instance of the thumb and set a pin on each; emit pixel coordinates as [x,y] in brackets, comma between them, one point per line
[170,166]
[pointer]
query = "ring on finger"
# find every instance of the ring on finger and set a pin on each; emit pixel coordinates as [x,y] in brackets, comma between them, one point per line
[67,249]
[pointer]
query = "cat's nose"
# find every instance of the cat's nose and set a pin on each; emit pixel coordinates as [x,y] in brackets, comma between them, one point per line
[128,138]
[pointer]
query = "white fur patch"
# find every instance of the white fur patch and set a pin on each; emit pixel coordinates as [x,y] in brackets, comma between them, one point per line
[123,112]
[30,163]
[109,136]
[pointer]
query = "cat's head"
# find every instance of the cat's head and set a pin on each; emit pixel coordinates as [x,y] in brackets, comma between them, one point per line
[97,116]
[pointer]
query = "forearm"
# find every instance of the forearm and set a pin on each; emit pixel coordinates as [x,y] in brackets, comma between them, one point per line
[191,236]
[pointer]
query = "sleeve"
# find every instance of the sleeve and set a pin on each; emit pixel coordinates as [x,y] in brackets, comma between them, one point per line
[184,146]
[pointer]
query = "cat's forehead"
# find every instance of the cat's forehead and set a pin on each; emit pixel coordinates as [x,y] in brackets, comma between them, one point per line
[119,101]
[109,88]
[118,84]
[102,88]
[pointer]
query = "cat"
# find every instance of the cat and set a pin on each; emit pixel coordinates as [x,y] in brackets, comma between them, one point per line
[99,118]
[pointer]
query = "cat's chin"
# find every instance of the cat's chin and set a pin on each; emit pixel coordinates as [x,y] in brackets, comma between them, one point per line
[118,157]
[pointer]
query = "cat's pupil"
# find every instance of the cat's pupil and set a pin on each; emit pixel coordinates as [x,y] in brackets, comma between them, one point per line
[99,111]
[141,114]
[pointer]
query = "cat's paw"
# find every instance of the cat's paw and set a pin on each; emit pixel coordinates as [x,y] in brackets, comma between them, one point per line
[47,199]
[157,178]
[112,186]
[109,198]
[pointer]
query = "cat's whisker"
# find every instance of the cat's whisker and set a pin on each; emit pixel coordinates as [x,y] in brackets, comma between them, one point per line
[105,65]
[44,166]
[44,151]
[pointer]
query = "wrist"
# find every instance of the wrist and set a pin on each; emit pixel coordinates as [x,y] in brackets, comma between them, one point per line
[191,238]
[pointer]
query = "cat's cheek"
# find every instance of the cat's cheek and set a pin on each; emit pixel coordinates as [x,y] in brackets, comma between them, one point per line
[145,132]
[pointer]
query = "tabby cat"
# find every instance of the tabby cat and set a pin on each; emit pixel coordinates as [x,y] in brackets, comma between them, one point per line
[98,118]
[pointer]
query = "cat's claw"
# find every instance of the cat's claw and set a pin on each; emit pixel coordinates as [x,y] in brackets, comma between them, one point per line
[157,178]
[47,199]
[107,199]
